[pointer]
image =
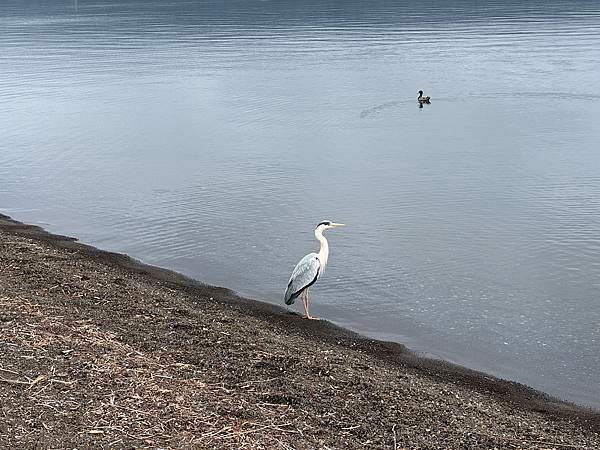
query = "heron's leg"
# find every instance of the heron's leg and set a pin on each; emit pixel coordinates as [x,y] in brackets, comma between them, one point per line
[308,316]
[303,295]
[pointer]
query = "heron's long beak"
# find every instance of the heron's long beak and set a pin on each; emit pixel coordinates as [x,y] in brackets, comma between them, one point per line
[333,224]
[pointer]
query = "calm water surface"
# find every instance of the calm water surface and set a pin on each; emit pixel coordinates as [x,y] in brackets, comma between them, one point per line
[211,137]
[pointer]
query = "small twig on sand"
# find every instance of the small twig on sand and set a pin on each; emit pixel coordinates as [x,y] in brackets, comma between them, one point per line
[38,379]
[68,383]
[394,431]
[7,380]
[32,383]
[214,432]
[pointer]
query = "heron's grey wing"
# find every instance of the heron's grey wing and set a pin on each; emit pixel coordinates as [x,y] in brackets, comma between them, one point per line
[305,273]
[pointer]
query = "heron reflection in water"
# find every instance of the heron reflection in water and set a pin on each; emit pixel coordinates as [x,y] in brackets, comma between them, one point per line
[309,269]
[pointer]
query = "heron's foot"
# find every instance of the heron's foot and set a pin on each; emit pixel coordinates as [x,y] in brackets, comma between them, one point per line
[312,318]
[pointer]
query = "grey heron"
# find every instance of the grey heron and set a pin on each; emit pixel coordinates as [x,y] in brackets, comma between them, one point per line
[309,269]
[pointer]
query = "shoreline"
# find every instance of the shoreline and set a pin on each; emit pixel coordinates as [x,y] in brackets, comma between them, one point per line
[513,395]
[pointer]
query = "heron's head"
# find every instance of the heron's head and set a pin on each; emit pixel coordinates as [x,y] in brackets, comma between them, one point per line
[326,224]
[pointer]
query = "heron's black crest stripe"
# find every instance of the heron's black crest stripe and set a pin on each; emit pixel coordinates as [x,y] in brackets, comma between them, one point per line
[327,222]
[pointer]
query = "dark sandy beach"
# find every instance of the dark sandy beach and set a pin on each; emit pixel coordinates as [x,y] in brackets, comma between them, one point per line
[98,350]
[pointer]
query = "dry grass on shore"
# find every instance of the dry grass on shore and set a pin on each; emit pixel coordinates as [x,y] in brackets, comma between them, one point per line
[88,380]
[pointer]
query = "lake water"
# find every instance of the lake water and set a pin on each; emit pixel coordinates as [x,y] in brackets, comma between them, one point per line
[211,137]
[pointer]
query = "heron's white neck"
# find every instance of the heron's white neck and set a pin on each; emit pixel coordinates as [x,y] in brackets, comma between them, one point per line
[324,251]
